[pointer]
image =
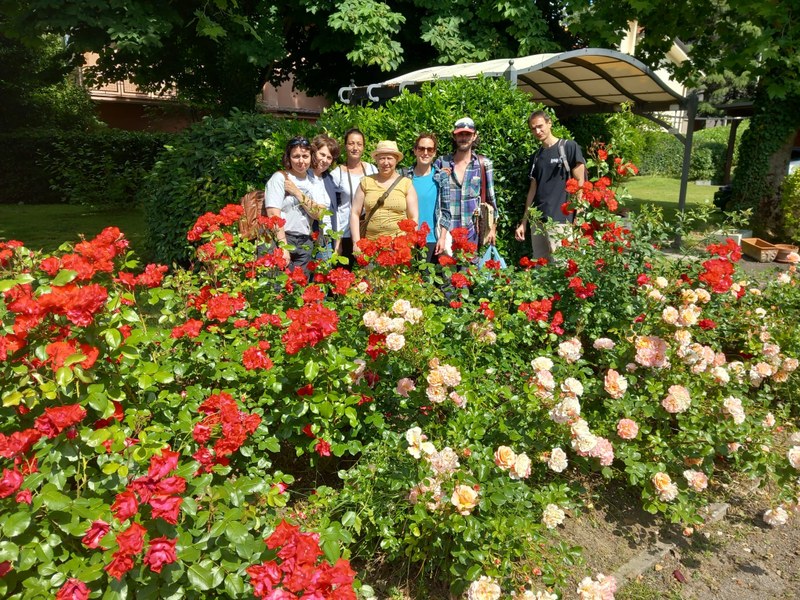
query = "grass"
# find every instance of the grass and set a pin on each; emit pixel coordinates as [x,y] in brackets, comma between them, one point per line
[664,192]
[47,226]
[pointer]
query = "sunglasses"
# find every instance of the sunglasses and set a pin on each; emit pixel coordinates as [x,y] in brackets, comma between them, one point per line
[426,149]
[299,141]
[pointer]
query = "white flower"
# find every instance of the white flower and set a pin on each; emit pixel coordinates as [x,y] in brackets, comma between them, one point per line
[542,363]
[661,282]
[566,410]
[558,460]
[521,468]
[484,589]
[604,344]
[570,350]
[400,307]
[794,457]
[395,341]
[553,516]
[775,517]
[572,387]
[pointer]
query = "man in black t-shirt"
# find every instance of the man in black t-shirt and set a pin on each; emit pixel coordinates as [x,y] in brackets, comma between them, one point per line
[552,165]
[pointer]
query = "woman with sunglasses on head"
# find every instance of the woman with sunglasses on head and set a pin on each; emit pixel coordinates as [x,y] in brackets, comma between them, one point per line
[427,181]
[385,198]
[298,199]
[347,178]
[324,153]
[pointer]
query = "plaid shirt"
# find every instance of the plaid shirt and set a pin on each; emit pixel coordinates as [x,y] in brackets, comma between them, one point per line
[463,198]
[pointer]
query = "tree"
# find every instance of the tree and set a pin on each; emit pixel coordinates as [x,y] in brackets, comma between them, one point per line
[220,53]
[38,88]
[749,37]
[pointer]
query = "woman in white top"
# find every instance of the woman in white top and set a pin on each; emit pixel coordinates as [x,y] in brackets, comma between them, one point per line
[347,177]
[298,199]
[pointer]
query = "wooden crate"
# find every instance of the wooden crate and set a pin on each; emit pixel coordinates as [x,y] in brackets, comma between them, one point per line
[759,249]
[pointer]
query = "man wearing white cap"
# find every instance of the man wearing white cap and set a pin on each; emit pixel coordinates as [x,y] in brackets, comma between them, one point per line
[471,182]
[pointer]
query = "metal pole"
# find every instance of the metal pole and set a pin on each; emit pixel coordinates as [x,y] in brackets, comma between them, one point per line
[691,112]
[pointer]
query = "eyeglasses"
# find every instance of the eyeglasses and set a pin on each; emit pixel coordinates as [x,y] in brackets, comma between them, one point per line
[299,141]
[426,149]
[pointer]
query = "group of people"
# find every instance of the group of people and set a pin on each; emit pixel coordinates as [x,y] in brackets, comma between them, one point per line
[359,199]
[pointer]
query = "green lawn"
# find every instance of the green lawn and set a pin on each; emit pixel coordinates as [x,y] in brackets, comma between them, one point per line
[663,191]
[47,226]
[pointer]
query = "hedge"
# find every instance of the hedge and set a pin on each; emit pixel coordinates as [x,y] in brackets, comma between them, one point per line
[102,167]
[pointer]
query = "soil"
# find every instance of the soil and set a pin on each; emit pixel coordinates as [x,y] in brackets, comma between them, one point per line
[738,557]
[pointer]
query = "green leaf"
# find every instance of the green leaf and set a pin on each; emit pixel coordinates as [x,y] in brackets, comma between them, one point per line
[53,499]
[63,277]
[236,532]
[16,523]
[205,575]
[64,376]
[311,370]
[234,585]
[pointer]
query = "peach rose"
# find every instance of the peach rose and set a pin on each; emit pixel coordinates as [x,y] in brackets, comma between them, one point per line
[627,429]
[464,498]
[504,457]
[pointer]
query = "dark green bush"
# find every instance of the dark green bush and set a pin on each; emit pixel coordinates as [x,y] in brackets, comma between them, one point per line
[101,167]
[206,166]
[104,167]
[663,153]
[500,113]
[790,205]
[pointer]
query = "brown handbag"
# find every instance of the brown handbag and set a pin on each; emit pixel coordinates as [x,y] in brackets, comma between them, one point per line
[484,216]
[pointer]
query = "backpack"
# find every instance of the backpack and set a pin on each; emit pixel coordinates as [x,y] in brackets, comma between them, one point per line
[253,205]
[561,154]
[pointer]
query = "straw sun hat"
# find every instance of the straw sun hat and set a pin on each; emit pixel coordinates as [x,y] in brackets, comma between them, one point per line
[387,147]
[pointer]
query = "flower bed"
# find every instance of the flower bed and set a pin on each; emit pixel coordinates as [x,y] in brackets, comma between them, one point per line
[158,429]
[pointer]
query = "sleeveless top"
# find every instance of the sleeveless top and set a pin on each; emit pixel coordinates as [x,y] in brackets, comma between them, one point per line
[384,221]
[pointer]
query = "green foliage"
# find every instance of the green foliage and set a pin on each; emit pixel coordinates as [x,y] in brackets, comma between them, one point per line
[38,87]
[103,167]
[790,205]
[662,153]
[219,54]
[756,181]
[500,113]
[208,165]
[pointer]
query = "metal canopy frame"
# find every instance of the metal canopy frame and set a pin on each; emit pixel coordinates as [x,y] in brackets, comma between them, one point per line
[588,80]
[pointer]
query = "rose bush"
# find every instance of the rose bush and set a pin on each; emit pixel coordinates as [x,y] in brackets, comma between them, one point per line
[157,427]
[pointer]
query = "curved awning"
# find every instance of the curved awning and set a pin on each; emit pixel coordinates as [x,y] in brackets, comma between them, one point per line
[578,81]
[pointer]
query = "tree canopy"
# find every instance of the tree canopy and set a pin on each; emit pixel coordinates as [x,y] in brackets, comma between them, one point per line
[220,53]
[754,37]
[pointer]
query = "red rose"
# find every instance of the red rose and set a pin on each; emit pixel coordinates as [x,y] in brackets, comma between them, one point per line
[125,506]
[121,564]
[161,465]
[160,552]
[322,448]
[131,541]
[24,496]
[95,533]
[10,482]
[73,589]
[458,280]
[166,507]
[264,578]
[306,390]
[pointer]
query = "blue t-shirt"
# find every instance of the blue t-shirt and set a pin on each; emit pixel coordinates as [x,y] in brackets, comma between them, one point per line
[426,195]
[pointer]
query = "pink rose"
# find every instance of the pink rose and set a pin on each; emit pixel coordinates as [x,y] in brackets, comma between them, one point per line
[627,429]
[161,552]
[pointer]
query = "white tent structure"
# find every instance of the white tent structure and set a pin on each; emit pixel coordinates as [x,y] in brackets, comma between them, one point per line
[588,80]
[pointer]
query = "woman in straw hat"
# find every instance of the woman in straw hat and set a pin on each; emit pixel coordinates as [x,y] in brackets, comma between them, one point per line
[385,198]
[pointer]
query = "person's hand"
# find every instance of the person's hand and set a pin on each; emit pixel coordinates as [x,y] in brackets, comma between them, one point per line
[292,189]
[287,256]
[491,238]
[440,245]
[519,232]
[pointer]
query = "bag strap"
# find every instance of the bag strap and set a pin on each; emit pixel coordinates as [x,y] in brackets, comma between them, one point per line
[483,178]
[563,156]
[382,199]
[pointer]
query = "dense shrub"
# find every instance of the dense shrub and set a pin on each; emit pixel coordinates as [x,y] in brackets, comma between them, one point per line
[790,205]
[208,165]
[663,154]
[99,167]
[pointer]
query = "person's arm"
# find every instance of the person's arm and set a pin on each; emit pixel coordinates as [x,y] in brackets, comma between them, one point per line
[443,207]
[412,203]
[519,232]
[356,208]
[307,203]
